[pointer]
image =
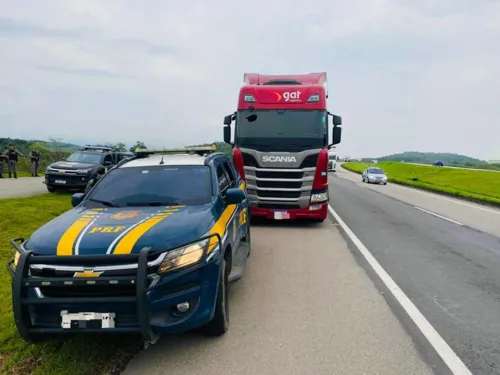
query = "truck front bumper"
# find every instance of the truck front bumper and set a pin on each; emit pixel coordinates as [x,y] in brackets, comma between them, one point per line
[312,212]
[138,301]
[66,181]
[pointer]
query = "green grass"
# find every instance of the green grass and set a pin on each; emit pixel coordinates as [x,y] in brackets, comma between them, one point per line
[482,186]
[76,355]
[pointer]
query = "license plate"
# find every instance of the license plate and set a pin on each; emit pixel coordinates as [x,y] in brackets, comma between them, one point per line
[87,320]
[60,181]
[281,215]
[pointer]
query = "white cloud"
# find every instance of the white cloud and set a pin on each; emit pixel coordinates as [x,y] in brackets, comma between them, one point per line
[403,74]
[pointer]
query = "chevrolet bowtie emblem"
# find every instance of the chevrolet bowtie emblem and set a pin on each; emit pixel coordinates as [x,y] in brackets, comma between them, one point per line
[87,273]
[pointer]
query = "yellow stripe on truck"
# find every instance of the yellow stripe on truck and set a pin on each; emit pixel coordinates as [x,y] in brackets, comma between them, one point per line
[220,226]
[127,243]
[66,242]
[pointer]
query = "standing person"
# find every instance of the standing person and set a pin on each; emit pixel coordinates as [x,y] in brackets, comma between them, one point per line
[13,157]
[35,159]
[101,171]
[2,157]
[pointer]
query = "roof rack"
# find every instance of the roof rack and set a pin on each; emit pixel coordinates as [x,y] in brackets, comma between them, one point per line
[199,150]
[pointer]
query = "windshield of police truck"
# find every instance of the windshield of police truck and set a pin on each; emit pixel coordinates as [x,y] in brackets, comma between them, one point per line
[85,157]
[153,186]
[282,130]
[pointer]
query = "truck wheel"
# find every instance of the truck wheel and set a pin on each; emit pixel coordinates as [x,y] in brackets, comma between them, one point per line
[220,322]
[51,189]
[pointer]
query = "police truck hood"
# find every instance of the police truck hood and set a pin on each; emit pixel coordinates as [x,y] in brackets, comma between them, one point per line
[71,165]
[86,231]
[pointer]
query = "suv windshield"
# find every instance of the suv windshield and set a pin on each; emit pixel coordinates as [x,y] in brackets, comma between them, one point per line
[375,171]
[153,186]
[85,157]
[281,130]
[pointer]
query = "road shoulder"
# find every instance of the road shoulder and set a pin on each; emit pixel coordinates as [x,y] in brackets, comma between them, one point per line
[304,306]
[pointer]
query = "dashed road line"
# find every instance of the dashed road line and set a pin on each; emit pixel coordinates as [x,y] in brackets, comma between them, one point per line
[441,217]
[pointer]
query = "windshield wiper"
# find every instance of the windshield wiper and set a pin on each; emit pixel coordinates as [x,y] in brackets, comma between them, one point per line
[105,203]
[152,204]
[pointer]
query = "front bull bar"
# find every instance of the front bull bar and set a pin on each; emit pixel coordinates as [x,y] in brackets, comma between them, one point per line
[21,281]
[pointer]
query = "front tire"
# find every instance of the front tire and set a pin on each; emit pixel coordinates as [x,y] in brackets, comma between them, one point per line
[220,322]
[51,189]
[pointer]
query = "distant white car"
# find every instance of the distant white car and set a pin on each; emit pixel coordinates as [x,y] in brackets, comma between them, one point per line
[374,175]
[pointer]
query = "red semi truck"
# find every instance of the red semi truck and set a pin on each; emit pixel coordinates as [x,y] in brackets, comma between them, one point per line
[281,143]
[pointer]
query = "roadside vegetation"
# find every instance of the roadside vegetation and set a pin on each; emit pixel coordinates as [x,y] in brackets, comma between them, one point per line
[449,159]
[482,186]
[76,355]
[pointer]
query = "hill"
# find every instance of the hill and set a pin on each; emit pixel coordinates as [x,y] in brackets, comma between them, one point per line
[430,157]
[24,146]
[449,159]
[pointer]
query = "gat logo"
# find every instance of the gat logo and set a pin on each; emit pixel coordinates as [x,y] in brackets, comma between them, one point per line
[289,96]
[282,159]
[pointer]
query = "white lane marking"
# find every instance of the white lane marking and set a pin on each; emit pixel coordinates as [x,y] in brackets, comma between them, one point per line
[449,357]
[438,196]
[441,217]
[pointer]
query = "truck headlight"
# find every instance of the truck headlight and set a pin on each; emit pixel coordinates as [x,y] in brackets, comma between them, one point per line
[319,197]
[183,257]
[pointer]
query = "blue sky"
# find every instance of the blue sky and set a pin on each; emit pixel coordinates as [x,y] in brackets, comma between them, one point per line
[404,75]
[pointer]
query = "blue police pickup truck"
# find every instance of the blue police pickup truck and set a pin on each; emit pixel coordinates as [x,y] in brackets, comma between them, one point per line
[150,249]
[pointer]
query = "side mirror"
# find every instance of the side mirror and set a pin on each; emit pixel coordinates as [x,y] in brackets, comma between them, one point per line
[337,120]
[228,119]
[227,134]
[336,135]
[77,198]
[235,196]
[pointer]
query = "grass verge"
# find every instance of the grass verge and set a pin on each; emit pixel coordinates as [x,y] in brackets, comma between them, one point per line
[475,185]
[76,355]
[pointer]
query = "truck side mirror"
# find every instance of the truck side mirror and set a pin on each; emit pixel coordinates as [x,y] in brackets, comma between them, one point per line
[227,133]
[228,119]
[337,120]
[336,135]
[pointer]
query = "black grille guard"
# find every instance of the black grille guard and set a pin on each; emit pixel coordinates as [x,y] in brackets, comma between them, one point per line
[21,281]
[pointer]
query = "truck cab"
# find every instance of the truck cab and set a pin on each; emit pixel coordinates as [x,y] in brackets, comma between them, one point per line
[281,141]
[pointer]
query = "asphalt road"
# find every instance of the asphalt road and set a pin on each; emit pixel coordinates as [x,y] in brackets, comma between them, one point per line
[451,272]
[482,218]
[304,306]
[22,187]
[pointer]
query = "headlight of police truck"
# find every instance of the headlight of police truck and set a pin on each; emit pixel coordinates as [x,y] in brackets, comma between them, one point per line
[183,257]
[319,197]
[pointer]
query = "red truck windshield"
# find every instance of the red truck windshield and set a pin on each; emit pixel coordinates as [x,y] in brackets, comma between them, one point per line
[281,130]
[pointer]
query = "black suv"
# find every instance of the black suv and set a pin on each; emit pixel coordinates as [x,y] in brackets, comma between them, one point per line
[74,172]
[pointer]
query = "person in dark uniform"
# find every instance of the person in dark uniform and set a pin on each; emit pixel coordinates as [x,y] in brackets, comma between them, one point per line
[13,157]
[35,159]
[101,171]
[2,158]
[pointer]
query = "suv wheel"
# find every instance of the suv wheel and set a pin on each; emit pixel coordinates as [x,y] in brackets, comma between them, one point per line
[220,322]
[51,189]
